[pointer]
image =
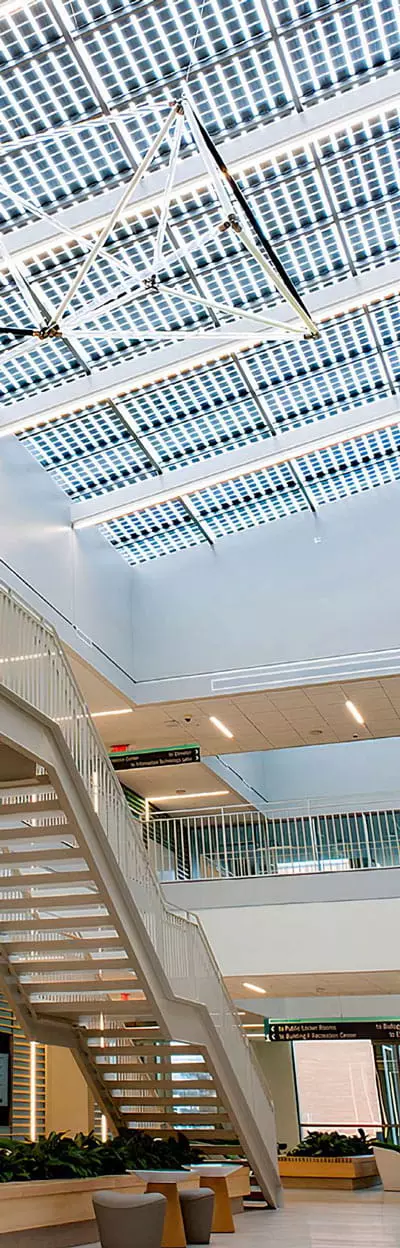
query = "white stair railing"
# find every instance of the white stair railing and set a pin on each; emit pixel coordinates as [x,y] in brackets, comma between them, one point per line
[34,667]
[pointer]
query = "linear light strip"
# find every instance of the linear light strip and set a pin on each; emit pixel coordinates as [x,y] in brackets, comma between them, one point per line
[32,1084]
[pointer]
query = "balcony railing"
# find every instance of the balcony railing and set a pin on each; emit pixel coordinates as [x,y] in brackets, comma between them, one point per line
[238,843]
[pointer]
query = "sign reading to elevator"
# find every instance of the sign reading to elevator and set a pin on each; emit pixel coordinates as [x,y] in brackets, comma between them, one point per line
[133,760]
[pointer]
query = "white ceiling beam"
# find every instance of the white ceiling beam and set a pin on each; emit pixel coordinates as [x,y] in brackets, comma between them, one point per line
[287,447]
[133,374]
[284,135]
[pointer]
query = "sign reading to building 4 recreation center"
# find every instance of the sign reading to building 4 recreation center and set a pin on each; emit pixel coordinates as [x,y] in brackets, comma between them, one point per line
[379,1030]
[132,760]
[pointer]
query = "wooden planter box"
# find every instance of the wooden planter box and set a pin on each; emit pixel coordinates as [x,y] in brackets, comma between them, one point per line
[55,1213]
[328,1172]
[58,1213]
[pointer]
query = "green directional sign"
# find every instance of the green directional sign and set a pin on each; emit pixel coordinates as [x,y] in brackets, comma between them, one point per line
[382,1031]
[133,760]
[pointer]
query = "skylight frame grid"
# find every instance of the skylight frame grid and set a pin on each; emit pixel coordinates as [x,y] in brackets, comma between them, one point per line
[169,414]
[153,532]
[353,466]
[234,506]
[354,372]
[251,499]
[218,72]
[245,280]
[46,366]
[103,471]
[349,42]
[78,435]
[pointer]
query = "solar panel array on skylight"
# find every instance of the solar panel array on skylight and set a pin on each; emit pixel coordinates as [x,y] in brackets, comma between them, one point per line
[154,531]
[331,209]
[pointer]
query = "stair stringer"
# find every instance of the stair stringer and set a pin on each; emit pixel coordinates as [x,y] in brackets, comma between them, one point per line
[25,728]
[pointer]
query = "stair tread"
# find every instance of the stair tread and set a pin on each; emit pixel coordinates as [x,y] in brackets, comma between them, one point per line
[34,809]
[81,985]
[25,857]
[40,879]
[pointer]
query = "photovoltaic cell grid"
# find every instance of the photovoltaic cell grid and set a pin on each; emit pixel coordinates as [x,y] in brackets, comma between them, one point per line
[331,210]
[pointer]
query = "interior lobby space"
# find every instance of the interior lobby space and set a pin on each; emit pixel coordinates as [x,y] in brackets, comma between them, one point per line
[199,623]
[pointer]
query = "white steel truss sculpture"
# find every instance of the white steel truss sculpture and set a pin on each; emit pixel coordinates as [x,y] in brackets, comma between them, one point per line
[236,215]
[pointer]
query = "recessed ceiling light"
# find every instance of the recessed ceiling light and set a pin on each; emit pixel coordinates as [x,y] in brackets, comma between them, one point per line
[316,732]
[221,727]
[255,988]
[171,797]
[354,712]
[122,710]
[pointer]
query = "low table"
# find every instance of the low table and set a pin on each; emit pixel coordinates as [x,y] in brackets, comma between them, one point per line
[217,1177]
[166,1182]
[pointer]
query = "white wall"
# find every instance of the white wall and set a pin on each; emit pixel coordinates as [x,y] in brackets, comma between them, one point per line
[306,939]
[348,921]
[273,598]
[74,579]
[208,620]
[276,1061]
[313,771]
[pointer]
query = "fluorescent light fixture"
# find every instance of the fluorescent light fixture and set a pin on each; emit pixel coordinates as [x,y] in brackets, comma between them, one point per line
[122,710]
[354,712]
[255,988]
[221,727]
[176,797]
[32,1091]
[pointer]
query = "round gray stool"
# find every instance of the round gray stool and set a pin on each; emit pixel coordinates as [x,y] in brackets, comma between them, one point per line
[197,1205]
[126,1220]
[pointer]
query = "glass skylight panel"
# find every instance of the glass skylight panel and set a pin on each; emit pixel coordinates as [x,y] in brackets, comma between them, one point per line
[153,47]
[39,369]
[92,475]
[188,441]
[339,45]
[249,500]
[153,532]
[142,52]
[356,465]
[89,453]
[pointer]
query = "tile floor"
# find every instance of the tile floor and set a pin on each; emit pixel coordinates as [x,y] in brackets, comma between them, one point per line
[337,1220]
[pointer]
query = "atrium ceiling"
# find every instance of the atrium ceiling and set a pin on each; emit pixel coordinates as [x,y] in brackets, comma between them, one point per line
[159,430]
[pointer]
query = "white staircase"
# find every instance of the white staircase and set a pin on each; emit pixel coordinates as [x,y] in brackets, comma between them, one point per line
[91,956]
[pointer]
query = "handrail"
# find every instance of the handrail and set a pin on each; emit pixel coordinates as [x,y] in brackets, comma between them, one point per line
[237,843]
[34,666]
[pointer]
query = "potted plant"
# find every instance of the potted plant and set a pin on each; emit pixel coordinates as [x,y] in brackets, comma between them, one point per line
[329,1159]
[387,1157]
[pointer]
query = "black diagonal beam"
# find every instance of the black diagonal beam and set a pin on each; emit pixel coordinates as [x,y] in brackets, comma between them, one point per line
[250,217]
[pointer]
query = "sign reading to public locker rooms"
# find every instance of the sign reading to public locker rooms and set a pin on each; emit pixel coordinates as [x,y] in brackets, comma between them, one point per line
[382,1031]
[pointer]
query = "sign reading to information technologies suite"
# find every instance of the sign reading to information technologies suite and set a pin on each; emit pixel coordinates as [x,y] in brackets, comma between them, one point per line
[124,759]
[380,1030]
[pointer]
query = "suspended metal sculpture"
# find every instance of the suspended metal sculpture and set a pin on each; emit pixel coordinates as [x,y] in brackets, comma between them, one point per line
[237,216]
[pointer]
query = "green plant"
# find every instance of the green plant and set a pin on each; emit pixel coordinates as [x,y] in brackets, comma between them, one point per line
[58,1156]
[387,1143]
[331,1144]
